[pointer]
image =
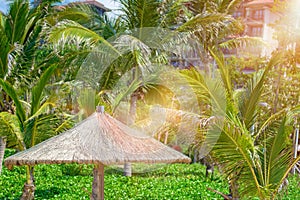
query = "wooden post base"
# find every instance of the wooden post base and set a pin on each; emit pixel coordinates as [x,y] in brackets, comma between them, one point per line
[98,182]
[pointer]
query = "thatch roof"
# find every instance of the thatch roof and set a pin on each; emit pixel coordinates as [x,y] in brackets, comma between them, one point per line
[99,138]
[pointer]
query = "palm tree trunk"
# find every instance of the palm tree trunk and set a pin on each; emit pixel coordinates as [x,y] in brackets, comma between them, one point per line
[233,188]
[132,109]
[29,187]
[2,150]
[166,137]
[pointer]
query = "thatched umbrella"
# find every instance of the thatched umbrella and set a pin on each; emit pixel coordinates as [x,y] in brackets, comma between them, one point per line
[101,140]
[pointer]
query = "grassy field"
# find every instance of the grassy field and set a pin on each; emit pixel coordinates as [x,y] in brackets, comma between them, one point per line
[175,181]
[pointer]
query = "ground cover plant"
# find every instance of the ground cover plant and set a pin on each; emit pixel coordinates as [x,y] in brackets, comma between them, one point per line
[42,52]
[175,181]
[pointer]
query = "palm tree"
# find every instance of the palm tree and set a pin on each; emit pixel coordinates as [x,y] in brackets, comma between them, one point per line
[137,17]
[27,65]
[210,26]
[33,122]
[256,157]
[129,52]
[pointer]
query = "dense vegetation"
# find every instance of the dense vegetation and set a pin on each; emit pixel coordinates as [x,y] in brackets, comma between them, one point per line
[246,120]
[175,181]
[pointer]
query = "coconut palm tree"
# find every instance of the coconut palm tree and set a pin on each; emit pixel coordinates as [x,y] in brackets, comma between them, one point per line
[34,121]
[138,16]
[15,29]
[130,52]
[27,65]
[210,26]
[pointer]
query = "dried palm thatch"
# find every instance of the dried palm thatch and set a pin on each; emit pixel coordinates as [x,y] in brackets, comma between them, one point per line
[99,138]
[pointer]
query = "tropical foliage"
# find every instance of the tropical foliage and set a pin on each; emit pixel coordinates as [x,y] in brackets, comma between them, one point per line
[167,182]
[248,149]
[56,65]
[28,65]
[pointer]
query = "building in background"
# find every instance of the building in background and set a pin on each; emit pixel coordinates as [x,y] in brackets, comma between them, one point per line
[99,7]
[258,16]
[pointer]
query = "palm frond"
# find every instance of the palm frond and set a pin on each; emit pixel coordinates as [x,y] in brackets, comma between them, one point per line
[140,51]
[42,127]
[255,89]
[236,154]
[287,171]
[172,12]
[243,42]
[68,123]
[68,31]
[42,109]
[278,154]
[18,18]
[251,98]
[39,87]
[9,89]
[47,126]
[205,20]
[4,56]
[224,72]
[106,26]
[268,122]
[79,13]
[2,17]
[140,13]
[134,85]
[229,6]
[211,92]
[10,127]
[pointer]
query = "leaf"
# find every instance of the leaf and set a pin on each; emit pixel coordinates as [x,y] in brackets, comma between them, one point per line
[244,42]
[43,109]
[39,87]
[209,91]
[253,92]
[67,30]
[10,127]
[17,21]
[125,93]
[140,13]
[5,50]
[236,154]
[276,154]
[12,93]
[67,124]
[224,72]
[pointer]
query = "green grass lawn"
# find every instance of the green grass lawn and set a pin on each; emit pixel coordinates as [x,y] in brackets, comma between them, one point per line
[174,181]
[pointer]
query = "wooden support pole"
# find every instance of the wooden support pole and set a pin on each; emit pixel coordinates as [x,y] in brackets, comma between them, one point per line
[2,151]
[127,169]
[98,182]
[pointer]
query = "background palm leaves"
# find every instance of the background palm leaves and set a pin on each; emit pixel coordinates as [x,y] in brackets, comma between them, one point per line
[46,53]
[255,166]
